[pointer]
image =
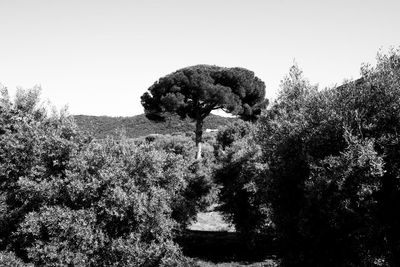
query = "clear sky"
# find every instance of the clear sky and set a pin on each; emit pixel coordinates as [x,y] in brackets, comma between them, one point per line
[100,56]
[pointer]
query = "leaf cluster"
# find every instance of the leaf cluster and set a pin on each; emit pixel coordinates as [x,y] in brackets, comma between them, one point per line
[195,91]
[328,171]
[331,157]
[69,200]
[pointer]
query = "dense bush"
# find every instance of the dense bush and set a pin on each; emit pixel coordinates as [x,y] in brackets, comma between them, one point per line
[240,165]
[8,259]
[68,200]
[333,168]
[114,208]
[231,133]
[200,190]
[321,168]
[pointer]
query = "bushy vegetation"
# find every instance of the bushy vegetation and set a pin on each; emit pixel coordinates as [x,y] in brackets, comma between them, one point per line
[319,172]
[321,168]
[70,200]
[193,92]
[239,165]
[200,190]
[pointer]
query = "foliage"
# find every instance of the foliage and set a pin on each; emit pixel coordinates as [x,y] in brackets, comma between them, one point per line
[332,175]
[196,91]
[200,190]
[231,133]
[8,259]
[341,205]
[320,168]
[239,166]
[72,201]
[31,145]
[177,144]
[115,208]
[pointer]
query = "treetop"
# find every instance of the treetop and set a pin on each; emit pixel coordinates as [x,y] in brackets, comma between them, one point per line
[197,90]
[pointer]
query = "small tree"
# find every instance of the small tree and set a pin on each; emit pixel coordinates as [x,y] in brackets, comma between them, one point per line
[240,170]
[196,91]
[333,169]
[67,200]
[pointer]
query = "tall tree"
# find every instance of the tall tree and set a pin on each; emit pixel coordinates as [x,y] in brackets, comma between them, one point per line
[196,91]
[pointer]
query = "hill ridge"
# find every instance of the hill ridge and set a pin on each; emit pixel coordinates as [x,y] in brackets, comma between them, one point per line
[138,125]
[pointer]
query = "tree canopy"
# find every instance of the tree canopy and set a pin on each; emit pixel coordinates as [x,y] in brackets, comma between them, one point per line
[321,170]
[197,90]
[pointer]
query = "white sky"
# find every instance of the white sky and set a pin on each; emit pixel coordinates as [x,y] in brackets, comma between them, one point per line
[100,56]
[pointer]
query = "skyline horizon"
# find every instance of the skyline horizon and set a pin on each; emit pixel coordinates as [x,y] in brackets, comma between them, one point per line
[99,56]
[49,102]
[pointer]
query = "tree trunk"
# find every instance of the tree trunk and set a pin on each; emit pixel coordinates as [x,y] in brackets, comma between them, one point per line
[199,134]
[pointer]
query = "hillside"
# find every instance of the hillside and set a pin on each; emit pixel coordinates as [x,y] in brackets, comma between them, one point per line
[139,125]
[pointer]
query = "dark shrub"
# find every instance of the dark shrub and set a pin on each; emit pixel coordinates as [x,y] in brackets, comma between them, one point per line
[72,201]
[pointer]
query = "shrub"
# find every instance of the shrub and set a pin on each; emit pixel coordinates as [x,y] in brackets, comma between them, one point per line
[8,259]
[69,200]
[240,195]
[199,190]
[322,169]
[332,177]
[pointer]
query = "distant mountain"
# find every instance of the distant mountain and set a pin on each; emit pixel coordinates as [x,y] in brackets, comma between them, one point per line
[136,126]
